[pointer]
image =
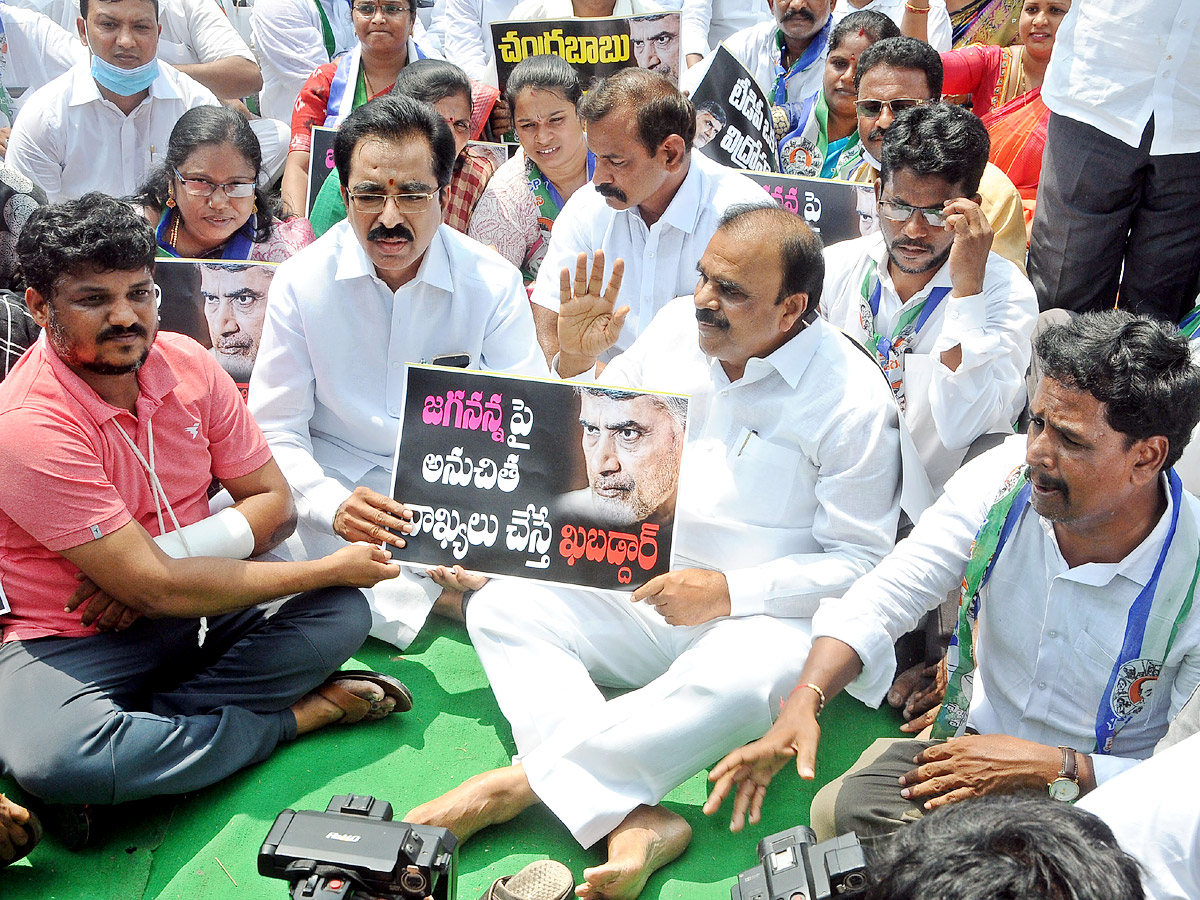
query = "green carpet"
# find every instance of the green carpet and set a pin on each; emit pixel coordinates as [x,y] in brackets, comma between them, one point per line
[205,845]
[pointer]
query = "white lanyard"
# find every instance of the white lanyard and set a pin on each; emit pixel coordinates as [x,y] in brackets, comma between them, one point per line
[160,499]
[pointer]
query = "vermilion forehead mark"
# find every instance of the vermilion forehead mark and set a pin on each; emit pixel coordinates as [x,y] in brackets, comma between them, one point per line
[391,182]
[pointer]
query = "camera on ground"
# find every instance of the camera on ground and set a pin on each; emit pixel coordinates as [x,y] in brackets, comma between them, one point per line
[354,849]
[793,866]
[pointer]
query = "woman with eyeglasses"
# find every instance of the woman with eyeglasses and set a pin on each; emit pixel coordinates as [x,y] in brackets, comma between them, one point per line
[369,69]
[524,197]
[818,136]
[205,200]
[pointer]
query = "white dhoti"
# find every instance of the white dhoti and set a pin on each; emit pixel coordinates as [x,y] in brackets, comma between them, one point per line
[700,691]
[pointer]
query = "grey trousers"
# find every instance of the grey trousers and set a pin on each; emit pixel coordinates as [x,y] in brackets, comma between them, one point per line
[121,716]
[866,800]
[1102,205]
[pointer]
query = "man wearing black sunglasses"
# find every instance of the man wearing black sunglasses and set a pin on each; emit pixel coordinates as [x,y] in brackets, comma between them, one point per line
[897,74]
[947,320]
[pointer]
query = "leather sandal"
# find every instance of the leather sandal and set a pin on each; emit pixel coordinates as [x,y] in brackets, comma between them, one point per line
[545,879]
[358,708]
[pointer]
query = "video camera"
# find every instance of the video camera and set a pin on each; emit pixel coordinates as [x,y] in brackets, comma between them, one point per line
[795,867]
[355,849]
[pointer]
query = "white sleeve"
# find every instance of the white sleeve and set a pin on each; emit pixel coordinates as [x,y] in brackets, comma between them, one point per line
[282,401]
[570,237]
[34,151]
[287,36]
[696,20]
[994,330]
[914,578]
[465,38]
[940,31]
[211,34]
[510,342]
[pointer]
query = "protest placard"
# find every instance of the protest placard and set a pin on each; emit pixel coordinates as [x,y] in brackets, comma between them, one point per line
[595,47]
[220,303]
[836,210]
[320,163]
[733,117]
[542,479]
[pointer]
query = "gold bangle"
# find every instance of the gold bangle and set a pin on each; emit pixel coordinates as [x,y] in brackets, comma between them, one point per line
[820,694]
[916,9]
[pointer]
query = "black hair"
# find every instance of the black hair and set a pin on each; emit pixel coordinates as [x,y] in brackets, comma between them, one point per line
[545,72]
[903,53]
[938,139]
[714,109]
[801,256]
[210,125]
[432,80]
[395,118]
[1003,847]
[1141,369]
[94,231]
[875,26]
[661,109]
[83,7]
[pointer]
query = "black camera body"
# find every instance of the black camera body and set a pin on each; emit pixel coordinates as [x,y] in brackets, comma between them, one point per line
[795,867]
[355,846]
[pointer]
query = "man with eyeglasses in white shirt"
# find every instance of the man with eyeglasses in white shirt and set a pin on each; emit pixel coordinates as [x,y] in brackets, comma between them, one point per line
[389,285]
[947,320]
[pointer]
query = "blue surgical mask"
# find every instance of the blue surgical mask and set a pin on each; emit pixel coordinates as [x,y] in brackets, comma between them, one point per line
[124,82]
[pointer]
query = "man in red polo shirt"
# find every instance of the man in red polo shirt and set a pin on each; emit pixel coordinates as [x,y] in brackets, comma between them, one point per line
[135,660]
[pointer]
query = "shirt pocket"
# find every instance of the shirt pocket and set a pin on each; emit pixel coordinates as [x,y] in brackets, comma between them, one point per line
[764,479]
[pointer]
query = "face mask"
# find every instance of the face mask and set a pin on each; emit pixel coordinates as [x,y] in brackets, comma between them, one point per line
[124,82]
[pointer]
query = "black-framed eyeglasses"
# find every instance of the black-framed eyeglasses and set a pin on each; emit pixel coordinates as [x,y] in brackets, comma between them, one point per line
[390,10]
[902,212]
[412,202]
[200,187]
[872,108]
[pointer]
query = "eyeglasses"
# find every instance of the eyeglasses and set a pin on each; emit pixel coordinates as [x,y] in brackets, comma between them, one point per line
[390,10]
[405,203]
[872,108]
[199,187]
[902,212]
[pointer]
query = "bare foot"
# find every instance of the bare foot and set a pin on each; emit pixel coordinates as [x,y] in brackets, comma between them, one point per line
[648,839]
[448,605]
[312,711]
[487,799]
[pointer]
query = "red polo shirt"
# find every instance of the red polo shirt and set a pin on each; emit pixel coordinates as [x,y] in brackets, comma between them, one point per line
[67,476]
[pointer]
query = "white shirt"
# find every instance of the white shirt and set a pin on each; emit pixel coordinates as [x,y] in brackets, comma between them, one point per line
[790,481]
[1153,811]
[1117,62]
[940,32]
[38,51]
[1048,635]
[945,410]
[197,31]
[708,22]
[660,260]
[563,9]
[467,35]
[290,44]
[328,380]
[70,140]
[757,48]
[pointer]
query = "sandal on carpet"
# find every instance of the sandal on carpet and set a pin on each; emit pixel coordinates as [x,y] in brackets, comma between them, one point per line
[33,831]
[358,708]
[545,879]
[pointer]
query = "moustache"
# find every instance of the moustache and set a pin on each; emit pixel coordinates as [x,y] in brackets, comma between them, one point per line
[711,317]
[227,344]
[116,331]
[394,233]
[1046,482]
[802,13]
[611,192]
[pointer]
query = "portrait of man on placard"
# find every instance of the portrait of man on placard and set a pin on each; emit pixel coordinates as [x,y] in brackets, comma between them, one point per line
[656,43]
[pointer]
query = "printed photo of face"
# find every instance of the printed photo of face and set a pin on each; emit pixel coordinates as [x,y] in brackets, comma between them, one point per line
[632,446]
[656,43]
[235,307]
[710,119]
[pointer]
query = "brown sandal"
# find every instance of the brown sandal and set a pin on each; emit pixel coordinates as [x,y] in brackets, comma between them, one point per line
[545,879]
[357,708]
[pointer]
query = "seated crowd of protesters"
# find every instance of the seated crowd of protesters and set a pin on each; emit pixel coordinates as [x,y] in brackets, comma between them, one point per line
[884,433]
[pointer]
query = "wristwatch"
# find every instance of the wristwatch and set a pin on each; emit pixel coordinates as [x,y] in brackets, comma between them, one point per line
[1066,786]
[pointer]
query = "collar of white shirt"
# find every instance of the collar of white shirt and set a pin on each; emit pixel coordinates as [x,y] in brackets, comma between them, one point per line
[85,90]
[683,211]
[434,270]
[790,361]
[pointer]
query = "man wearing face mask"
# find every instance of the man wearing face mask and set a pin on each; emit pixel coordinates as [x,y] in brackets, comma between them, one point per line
[103,124]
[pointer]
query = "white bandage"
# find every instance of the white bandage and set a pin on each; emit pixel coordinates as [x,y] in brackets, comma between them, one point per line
[226,534]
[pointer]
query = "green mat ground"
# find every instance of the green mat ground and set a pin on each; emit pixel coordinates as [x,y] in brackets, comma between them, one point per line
[175,849]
